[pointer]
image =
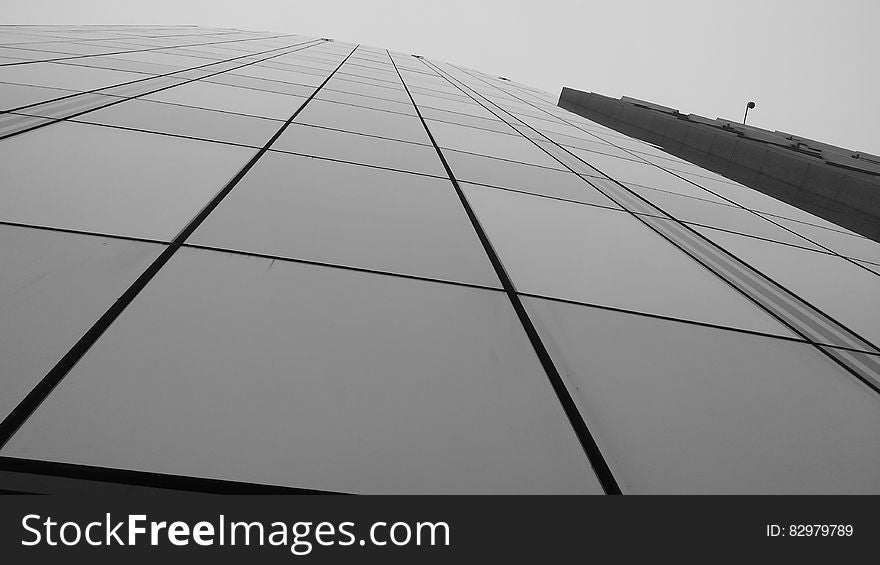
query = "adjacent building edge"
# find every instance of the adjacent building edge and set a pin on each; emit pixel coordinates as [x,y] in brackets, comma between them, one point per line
[837,184]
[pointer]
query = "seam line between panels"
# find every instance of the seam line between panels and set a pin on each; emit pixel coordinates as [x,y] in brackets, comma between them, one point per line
[793,339]
[98,90]
[55,120]
[420,278]
[187,483]
[341,266]
[810,317]
[47,384]
[112,53]
[25,29]
[588,443]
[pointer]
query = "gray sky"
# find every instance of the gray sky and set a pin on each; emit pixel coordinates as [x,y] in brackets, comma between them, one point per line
[810,65]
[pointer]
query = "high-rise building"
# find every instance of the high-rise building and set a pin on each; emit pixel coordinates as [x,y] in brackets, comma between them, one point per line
[235,261]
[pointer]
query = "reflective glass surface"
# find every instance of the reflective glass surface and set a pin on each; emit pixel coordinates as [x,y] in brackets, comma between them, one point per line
[259,71]
[113,181]
[313,377]
[17,95]
[398,106]
[186,121]
[363,120]
[484,142]
[721,216]
[526,178]
[53,286]
[464,120]
[230,99]
[359,148]
[758,201]
[600,256]
[304,208]
[644,174]
[363,89]
[273,86]
[842,290]
[846,244]
[71,77]
[678,408]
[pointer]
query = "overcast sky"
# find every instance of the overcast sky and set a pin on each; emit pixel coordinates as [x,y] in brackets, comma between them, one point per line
[811,66]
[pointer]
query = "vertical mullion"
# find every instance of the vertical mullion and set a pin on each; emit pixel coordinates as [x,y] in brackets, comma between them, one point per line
[47,384]
[588,442]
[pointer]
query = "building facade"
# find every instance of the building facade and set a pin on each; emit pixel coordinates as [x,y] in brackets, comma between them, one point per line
[837,184]
[237,262]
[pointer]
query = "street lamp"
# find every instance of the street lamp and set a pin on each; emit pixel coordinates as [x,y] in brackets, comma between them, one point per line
[749,106]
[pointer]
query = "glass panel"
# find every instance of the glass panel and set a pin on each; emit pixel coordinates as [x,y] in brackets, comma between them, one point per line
[843,243]
[455,96]
[56,75]
[721,216]
[364,120]
[585,138]
[354,87]
[449,103]
[755,200]
[17,95]
[68,106]
[586,142]
[53,287]
[835,286]
[260,84]
[525,178]
[309,79]
[361,66]
[694,172]
[297,65]
[421,80]
[483,142]
[399,106]
[175,60]
[464,120]
[678,408]
[362,57]
[356,148]
[552,128]
[113,181]
[184,120]
[297,72]
[230,99]
[606,257]
[593,148]
[332,212]
[123,64]
[60,49]
[391,80]
[236,368]
[644,174]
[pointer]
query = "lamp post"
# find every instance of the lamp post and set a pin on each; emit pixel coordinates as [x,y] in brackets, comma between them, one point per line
[749,106]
